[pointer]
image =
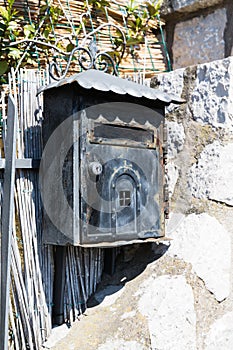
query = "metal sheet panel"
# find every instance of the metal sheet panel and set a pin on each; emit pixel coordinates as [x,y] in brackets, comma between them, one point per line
[106,82]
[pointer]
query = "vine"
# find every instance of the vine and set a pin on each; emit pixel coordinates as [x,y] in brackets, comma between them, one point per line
[140,20]
[22,44]
[12,28]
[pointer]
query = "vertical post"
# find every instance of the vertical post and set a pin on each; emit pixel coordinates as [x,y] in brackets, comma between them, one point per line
[59,285]
[7,220]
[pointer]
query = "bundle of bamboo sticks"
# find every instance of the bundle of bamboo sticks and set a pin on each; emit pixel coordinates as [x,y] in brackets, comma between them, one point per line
[30,314]
[32,267]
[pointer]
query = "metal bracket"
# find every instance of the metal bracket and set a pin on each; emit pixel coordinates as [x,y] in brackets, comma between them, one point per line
[26,163]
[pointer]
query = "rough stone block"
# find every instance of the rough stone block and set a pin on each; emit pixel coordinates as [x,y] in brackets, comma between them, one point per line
[199,40]
[198,240]
[220,335]
[212,176]
[172,82]
[168,304]
[176,138]
[192,5]
[212,98]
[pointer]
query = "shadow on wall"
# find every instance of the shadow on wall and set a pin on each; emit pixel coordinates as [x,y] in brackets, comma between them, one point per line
[130,262]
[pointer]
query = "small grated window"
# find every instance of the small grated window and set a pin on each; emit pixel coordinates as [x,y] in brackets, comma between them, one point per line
[125,198]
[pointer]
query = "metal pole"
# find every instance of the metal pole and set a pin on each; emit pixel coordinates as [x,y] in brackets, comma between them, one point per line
[7,220]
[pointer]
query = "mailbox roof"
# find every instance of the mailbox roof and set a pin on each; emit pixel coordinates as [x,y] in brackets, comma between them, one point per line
[105,82]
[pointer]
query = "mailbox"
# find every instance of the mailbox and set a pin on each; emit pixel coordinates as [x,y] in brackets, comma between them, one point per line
[102,169]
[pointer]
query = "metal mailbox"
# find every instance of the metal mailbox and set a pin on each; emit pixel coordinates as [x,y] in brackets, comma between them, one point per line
[102,170]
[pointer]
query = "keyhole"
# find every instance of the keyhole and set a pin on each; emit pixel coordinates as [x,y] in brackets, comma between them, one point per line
[95,168]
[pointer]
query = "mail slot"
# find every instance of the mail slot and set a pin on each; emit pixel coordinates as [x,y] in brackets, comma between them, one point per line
[102,170]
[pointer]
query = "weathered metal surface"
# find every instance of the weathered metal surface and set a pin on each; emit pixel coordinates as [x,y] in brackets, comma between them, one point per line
[93,79]
[112,177]
[123,202]
[7,220]
[110,151]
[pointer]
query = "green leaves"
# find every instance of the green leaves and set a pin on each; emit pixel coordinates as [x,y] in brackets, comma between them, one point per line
[70,47]
[138,23]
[28,30]
[4,13]
[12,26]
[14,53]
[11,3]
[3,67]
[133,41]
[131,7]
[100,4]
[7,13]
[138,20]
[153,7]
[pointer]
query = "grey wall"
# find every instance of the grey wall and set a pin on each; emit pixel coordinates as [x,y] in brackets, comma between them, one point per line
[200,176]
[198,31]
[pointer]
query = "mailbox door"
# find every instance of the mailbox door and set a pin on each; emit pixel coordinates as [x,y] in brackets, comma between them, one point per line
[119,189]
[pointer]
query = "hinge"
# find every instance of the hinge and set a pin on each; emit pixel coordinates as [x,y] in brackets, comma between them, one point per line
[166,201]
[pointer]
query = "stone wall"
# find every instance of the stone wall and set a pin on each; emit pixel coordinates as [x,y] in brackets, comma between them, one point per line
[200,175]
[198,31]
